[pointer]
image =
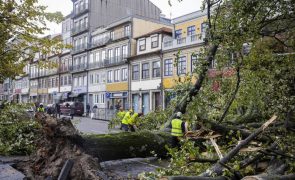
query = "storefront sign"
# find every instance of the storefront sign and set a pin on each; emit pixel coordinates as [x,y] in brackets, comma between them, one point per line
[80,90]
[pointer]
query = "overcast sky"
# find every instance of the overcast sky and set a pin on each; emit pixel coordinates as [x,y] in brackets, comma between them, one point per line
[177,9]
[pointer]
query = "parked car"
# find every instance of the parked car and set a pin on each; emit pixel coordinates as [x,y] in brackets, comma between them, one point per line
[65,108]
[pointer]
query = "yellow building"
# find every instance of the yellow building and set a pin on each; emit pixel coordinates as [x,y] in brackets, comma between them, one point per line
[188,38]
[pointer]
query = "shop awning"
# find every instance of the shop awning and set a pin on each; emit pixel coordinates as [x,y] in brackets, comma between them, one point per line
[57,96]
[74,95]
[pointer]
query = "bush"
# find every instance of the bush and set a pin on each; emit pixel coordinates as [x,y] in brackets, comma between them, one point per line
[18,130]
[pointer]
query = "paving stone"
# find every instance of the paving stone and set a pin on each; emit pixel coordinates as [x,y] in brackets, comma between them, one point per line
[9,173]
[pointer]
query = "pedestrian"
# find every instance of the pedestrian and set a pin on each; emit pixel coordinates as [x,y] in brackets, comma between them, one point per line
[178,130]
[94,110]
[41,108]
[126,119]
[133,121]
[57,110]
[72,110]
[87,110]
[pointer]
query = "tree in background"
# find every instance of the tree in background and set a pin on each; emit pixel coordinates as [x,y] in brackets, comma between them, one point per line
[21,22]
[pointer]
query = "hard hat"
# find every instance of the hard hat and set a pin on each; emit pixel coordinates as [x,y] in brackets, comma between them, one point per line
[41,104]
[178,114]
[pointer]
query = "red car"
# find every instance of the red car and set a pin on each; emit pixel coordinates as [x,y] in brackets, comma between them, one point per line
[65,108]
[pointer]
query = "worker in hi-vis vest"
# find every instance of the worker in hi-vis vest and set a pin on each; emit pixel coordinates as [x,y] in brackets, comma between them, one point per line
[125,120]
[41,108]
[120,114]
[133,120]
[178,129]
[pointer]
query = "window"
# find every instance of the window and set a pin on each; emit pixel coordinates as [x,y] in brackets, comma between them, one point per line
[204,27]
[181,69]
[96,79]
[168,67]
[61,81]
[156,69]
[117,53]
[103,55]
[112,35]
[194,62]
[91,79]
[85,81]
[70,80]
[102,98]
[191,30]
[142,45]
[91,59]
[75,81]
[178,34]
[110,76]
[66,80]
[80,83]
[110,54]
[135,72]
[56,82]
[145,70]
[124,74]
[127,31]
[117,75]
[125,51]
[155,41]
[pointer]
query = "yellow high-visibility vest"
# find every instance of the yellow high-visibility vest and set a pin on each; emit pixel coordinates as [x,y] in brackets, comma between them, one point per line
[132,119]
[40,109]
[176,127]
[126,118]
[121,114]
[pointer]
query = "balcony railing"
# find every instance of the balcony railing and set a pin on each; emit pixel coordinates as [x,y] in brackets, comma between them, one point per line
[115,61]
[79,67]
[186,41]
[100,42]
[79,48]
[120,35]
[79,29]
[81,10]
[99,64]
[65,69]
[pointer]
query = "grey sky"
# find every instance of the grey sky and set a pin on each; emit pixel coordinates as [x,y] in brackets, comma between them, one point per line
[177,9]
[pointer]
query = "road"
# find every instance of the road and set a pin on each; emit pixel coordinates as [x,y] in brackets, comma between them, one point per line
[89,126]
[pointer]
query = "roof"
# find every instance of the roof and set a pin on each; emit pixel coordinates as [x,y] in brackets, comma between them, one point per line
[189,16]
[163,30]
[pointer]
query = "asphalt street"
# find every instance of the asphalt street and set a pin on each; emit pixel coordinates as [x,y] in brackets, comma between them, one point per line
[90,126]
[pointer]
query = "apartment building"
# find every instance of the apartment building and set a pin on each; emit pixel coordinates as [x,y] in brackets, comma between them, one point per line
[122,45]
[21,86]
[65,62]
[188,38]
[88,16]
[145,80]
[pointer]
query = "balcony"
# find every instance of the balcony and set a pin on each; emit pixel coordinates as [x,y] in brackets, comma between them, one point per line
[79,29]
[115,61]
[81,10]
[65,69]
[80,67]
[79,48]
[186,41]
[100,42]
[94,65]
[120,35]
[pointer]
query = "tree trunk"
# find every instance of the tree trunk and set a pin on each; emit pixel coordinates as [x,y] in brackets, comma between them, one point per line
[127,145]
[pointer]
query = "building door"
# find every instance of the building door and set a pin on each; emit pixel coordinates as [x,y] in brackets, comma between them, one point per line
[156,100]
[135,102]
[145,103]
[91,100]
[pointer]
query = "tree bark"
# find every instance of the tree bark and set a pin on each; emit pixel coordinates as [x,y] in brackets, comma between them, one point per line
[127,145]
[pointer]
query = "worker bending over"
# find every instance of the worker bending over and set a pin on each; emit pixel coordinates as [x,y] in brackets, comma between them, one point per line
[178,129]
[133,121]
[125,120]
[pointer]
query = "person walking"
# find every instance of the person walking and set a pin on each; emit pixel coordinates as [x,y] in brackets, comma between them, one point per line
[57,110]
[72,110]
[178,130]
[87,110]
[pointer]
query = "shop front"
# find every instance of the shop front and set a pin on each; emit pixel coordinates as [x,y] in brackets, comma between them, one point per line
[79,94]
[116,100]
